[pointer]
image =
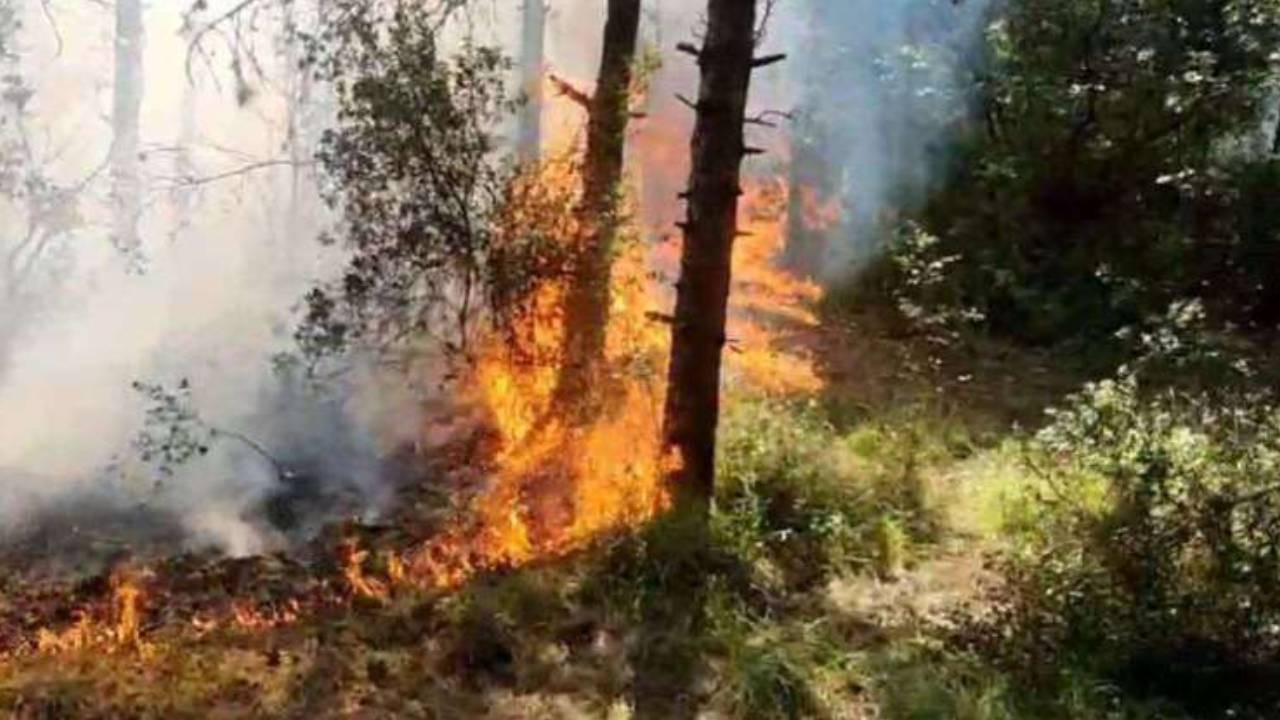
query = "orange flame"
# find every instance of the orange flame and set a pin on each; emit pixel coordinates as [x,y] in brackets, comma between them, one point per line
[113,627]
[771,309]
[559,487]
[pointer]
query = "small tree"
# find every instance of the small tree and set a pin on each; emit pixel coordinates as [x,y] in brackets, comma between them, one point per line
[39,212]
[428,206]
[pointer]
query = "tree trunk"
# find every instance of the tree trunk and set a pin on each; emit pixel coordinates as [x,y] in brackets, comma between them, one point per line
[810,185]
[698,332]
[1275,136]
[587,302]
[532,65]
[126,141]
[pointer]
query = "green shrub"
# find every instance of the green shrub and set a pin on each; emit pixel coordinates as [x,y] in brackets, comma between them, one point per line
[783,503]
[1155,560]
[918,681]
[774,672]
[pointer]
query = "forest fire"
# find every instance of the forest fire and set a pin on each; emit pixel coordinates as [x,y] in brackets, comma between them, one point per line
[114,623]
[559,486]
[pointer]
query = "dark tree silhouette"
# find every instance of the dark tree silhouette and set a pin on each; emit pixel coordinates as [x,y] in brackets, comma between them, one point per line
[692,411]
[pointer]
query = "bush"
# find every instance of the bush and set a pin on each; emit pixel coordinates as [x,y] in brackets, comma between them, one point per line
[786,504]
[1156,558]
[1072,204]
[775,671]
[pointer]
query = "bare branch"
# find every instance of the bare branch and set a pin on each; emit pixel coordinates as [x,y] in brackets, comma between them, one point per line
[768,60]
[194,44]
[191,181]
[763,119]
[567,89]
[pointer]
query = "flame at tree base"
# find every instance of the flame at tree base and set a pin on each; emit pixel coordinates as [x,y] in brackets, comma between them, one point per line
[560,486]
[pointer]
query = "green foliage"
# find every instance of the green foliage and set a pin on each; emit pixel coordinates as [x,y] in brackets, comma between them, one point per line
[1117,164]
[445,234]
[920,684]
[891,548]
[920,681]
[1153,561]
[782,502]
[775,671]
[173,434]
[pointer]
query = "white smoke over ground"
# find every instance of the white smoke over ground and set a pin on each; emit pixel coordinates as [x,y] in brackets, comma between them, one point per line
[214,305]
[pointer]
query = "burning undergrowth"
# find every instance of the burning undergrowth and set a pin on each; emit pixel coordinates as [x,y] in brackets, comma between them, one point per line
[542,486]
[559,484]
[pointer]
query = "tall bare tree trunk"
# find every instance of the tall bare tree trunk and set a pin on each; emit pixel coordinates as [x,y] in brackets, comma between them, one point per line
[698,334]
[1275,136]
[587,304]
[125,124]
[533,36]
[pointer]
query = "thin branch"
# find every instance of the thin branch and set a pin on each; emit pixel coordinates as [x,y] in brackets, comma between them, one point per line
[192,181]
[763,118]
[282,473]
[767,60]
[53,25]
[209,27]
[567,89]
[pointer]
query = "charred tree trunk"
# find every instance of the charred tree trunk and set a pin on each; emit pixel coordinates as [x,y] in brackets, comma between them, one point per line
[125,124]
[587,303]
[533,37]
[698,336]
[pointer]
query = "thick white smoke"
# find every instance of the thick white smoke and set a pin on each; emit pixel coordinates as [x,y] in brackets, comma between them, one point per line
[226,261]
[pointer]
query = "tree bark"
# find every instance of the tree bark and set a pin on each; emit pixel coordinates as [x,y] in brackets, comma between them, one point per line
[692,410]
[586,315]
[532,66]
[125,124]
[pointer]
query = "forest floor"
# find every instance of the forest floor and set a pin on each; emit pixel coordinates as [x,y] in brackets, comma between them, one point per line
[286,637]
